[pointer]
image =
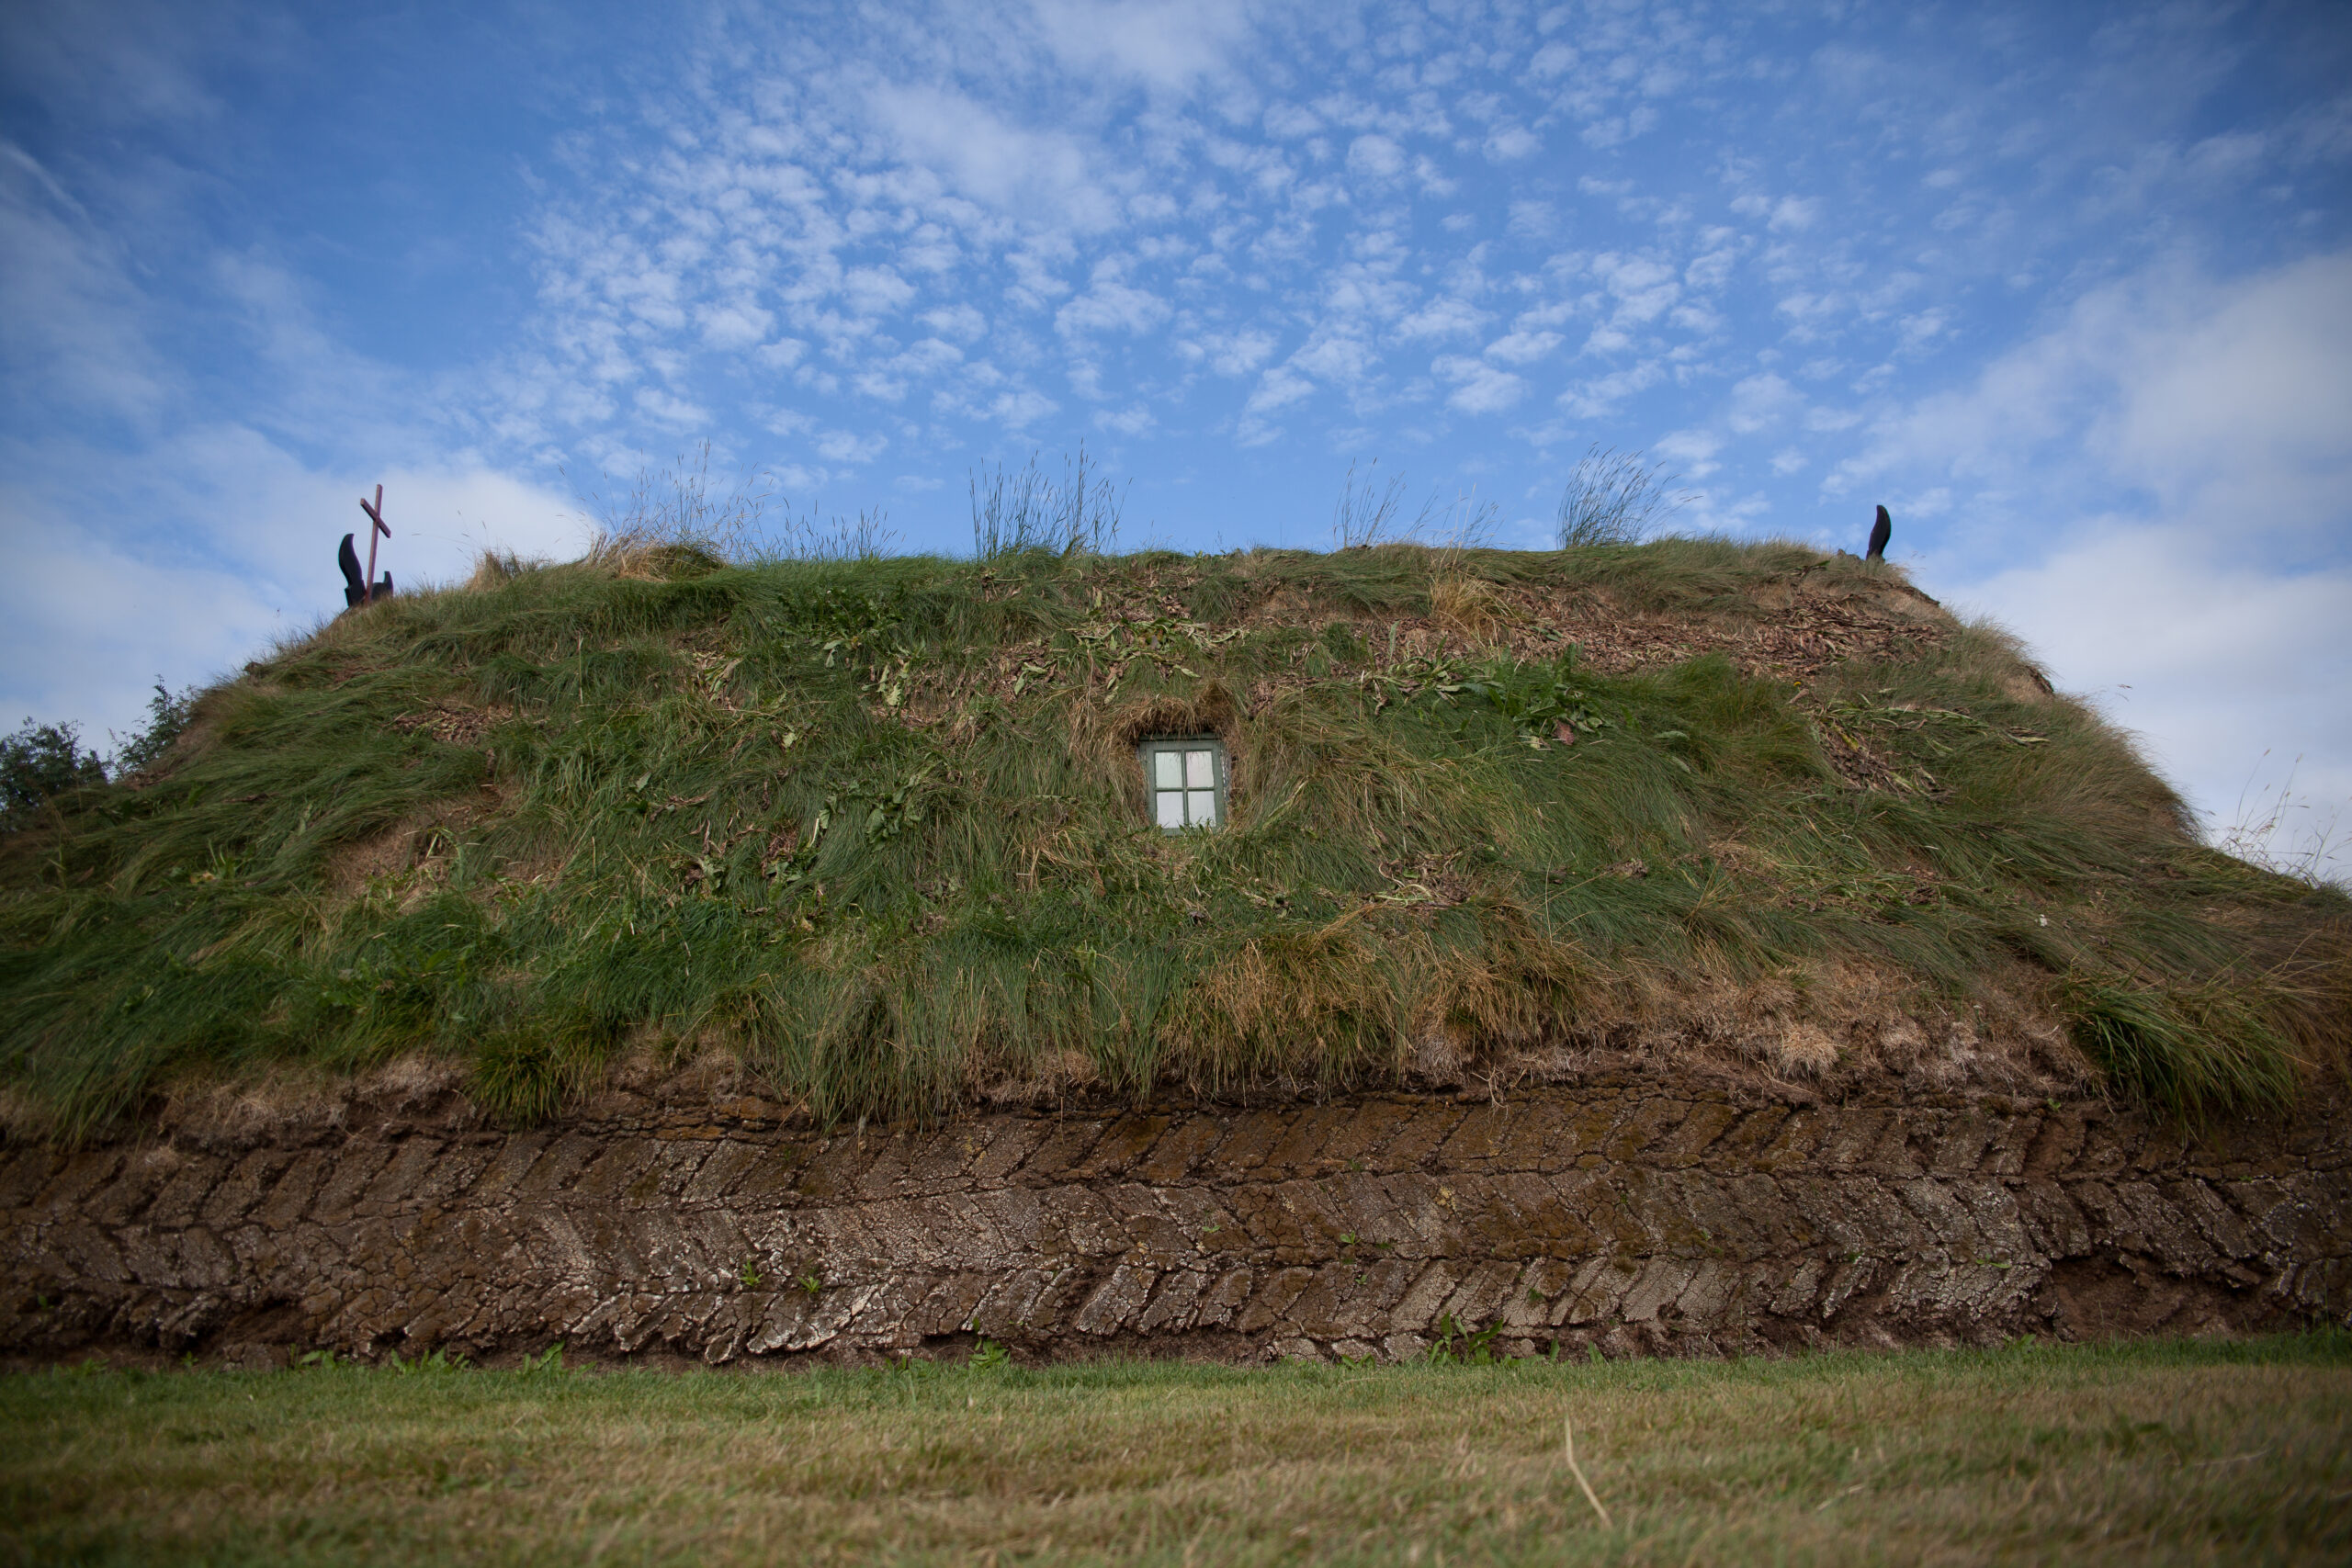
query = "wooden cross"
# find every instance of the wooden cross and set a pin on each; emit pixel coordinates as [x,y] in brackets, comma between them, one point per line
[376,515]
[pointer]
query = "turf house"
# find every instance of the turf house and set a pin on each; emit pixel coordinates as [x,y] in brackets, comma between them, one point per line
[1688,947]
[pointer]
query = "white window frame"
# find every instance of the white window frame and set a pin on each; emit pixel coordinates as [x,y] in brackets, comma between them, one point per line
[1174,797]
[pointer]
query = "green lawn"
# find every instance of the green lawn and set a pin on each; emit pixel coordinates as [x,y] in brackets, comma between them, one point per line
[2186,1452]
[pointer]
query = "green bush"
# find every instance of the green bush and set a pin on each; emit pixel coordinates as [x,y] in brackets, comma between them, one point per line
[167,717]
[39,763]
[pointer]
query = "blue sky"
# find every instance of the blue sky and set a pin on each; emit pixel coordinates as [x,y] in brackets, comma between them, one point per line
[2069,288]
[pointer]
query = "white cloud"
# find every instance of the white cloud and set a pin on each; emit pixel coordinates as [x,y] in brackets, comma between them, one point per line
[1923,327]
[1132,421]
[927,357]
[668,408]
[186,624]
[1710,271]
[2220,603]
[960,322]
[1522,347]
[1694,449]
[2241,397]
[1644,285]
[1615,131]
[1166,43]
[1552,60]
[2232,400]
[1108,307]
[2210,659]
[1761,401]
[1480,388]
[1375,157]
[849,446]
[1512,143]
[1340,358]
[1291,121]
[1234,354]
[1047,178]
[782,355]
[92,611]
[1020,408]
[1530,219]
[1278,388]
[1443,317]
[445,513]
[735,326]
[1599,396]
[70,309]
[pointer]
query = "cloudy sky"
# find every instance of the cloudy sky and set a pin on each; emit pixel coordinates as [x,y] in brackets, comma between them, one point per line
[2067,287]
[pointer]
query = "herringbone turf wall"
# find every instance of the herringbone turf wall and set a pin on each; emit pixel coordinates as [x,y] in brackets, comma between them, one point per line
[1619,1212]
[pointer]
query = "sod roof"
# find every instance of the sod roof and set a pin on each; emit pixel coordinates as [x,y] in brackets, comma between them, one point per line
[876,832]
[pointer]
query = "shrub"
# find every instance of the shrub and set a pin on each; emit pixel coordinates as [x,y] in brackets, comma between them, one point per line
[39,762]
[167,716]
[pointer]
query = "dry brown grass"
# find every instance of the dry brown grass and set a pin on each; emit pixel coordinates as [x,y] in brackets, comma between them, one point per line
[1470,608]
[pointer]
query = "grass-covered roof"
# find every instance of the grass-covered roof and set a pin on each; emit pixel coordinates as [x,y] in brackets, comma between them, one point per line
[875,828]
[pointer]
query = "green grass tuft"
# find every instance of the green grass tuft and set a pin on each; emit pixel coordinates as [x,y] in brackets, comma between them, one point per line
[875,828]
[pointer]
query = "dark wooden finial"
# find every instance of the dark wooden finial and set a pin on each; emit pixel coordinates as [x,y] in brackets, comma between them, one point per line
[355,586]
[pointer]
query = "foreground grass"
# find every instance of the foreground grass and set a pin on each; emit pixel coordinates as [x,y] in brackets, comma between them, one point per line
[2147,1453]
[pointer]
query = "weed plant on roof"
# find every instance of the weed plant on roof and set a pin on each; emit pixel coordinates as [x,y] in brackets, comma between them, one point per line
[875,828]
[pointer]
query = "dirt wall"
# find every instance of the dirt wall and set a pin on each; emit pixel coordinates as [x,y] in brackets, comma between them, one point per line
[1618,1212]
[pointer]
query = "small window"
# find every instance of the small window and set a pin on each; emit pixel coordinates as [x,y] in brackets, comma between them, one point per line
[1183,778]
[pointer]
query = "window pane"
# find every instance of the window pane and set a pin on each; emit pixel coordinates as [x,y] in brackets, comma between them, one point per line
[1204,805]
[1167,770]
[1197,774]
[1172,806]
